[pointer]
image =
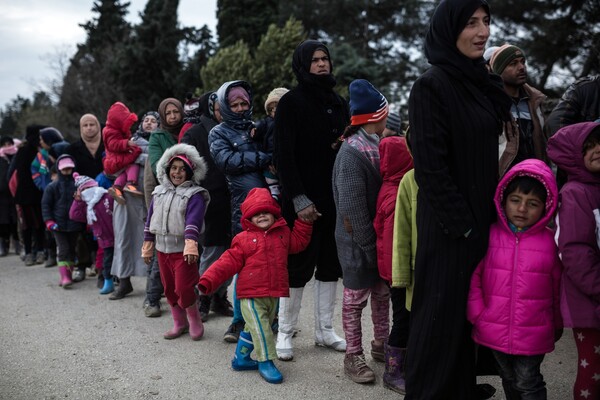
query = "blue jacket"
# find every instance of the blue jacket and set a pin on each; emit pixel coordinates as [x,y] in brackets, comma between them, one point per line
[56,203]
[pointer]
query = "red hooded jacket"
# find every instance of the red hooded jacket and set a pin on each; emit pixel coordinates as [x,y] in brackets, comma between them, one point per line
[115,135]
[259,257]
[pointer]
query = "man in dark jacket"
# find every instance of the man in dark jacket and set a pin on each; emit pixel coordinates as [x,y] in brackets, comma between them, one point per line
[309,119]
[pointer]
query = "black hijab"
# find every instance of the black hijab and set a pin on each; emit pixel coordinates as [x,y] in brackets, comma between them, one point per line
[302,60]
[447,23]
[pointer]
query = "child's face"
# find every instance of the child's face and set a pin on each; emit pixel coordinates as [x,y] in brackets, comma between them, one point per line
[66,171]
[523,210]
[272,108]
[263,220]
[591,158]
[177,173]
[149,123]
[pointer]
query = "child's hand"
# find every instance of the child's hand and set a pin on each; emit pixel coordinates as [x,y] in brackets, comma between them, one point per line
[309,214]
[77,195]
[190,259]
[147,252]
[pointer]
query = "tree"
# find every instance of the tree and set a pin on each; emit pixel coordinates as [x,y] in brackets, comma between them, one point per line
[229,63]
[10,115]
[272,62]
[190,79]
[91,83]
[245,20]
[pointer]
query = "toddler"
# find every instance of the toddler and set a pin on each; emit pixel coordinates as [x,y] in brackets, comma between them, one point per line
[93,205]
[56,203]
[175,222]
[575,149]
[258,255]
[513,302]
[121,151]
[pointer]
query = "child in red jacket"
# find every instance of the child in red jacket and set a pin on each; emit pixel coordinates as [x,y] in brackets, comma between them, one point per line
[258,255]
[121,151]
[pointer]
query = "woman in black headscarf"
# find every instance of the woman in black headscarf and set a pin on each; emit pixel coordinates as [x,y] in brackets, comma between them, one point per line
[456,111]
[309,119]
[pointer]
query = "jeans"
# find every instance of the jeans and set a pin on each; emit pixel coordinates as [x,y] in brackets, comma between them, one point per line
[521,376]
[209,255]
[154,286]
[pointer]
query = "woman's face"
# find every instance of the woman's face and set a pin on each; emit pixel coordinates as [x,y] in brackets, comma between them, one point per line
[172,115]
[149,123]
[319,64]
[471,41]
[239,105]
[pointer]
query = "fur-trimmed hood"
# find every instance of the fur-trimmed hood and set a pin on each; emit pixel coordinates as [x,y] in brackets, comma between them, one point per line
[199,165]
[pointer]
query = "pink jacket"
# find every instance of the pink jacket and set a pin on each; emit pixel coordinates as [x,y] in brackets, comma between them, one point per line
[514,298]
[395,161]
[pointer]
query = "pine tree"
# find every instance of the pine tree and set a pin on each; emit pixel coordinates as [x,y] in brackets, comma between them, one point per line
[245,20]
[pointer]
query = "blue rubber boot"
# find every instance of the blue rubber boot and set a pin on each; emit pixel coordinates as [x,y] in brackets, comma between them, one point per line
[241,360]
[269,372]
[108,287]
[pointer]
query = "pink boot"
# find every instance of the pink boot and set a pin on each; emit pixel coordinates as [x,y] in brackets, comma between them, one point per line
[65,276]
[195,321]
[180,327]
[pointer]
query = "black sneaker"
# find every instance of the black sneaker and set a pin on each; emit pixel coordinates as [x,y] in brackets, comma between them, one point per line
[204,306]
[233,332]
[221,305]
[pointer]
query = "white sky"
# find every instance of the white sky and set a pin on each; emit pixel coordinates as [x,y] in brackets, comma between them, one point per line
[33,31]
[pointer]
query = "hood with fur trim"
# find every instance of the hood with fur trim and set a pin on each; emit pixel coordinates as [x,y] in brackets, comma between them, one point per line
[199,165]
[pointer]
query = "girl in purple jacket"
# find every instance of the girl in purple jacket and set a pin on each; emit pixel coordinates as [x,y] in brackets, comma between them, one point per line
[94,206]
[514,298]
[576,150]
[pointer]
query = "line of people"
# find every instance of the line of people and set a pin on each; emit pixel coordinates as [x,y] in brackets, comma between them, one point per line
[452,224]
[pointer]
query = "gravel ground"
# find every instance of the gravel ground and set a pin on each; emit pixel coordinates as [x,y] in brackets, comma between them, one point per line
[61,344]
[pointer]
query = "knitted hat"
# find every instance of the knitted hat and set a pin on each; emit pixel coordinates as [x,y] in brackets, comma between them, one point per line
[274,96]
[366,103]
[259,200]
[238,92]
[51,135]
[65,161]
[83,182]
[394,122]
[503,56]
[192,105]
[487,54]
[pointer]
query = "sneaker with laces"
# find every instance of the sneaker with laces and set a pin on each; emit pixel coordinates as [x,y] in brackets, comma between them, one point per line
[131,188]
[116,194]
[204,306]
[152,310]
[233,332]
[357,369]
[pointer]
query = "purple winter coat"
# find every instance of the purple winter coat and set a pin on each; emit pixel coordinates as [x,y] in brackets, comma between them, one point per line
[514,297]
[103,226]
[578,225]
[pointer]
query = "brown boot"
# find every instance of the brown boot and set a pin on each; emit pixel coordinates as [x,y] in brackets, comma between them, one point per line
[377,352]
[123,290]
[357,369]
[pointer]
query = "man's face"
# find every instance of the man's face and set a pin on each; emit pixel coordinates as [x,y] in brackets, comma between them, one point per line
[515,73]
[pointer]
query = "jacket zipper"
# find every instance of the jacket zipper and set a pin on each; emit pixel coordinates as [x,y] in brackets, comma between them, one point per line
[512,295]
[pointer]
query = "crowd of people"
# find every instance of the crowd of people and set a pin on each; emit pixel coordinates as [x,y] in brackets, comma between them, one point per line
[455,222]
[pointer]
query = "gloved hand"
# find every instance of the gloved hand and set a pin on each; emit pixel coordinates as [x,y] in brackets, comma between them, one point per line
[51,225]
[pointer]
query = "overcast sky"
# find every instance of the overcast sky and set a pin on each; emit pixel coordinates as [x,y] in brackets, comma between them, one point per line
[32,31]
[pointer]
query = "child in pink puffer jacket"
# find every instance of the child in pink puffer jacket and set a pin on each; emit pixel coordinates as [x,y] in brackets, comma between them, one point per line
[514,298]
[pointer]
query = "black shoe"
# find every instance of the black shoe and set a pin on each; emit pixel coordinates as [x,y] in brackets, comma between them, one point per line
[221,305]
[123,290]
[233,332]
[204,306]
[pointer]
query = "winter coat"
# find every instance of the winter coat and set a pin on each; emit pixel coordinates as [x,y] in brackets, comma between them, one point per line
[8,213]
[578,227]
[103,226]
[87,164]
[356,182]
[405,236]
[116,135]
[395,161]
[309,119]
[40,169]
[514,297]
[217,220]
[177,212]
[160,141]
[579,103]
[259,257]
[56,204]
[27,193]
[235,153]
